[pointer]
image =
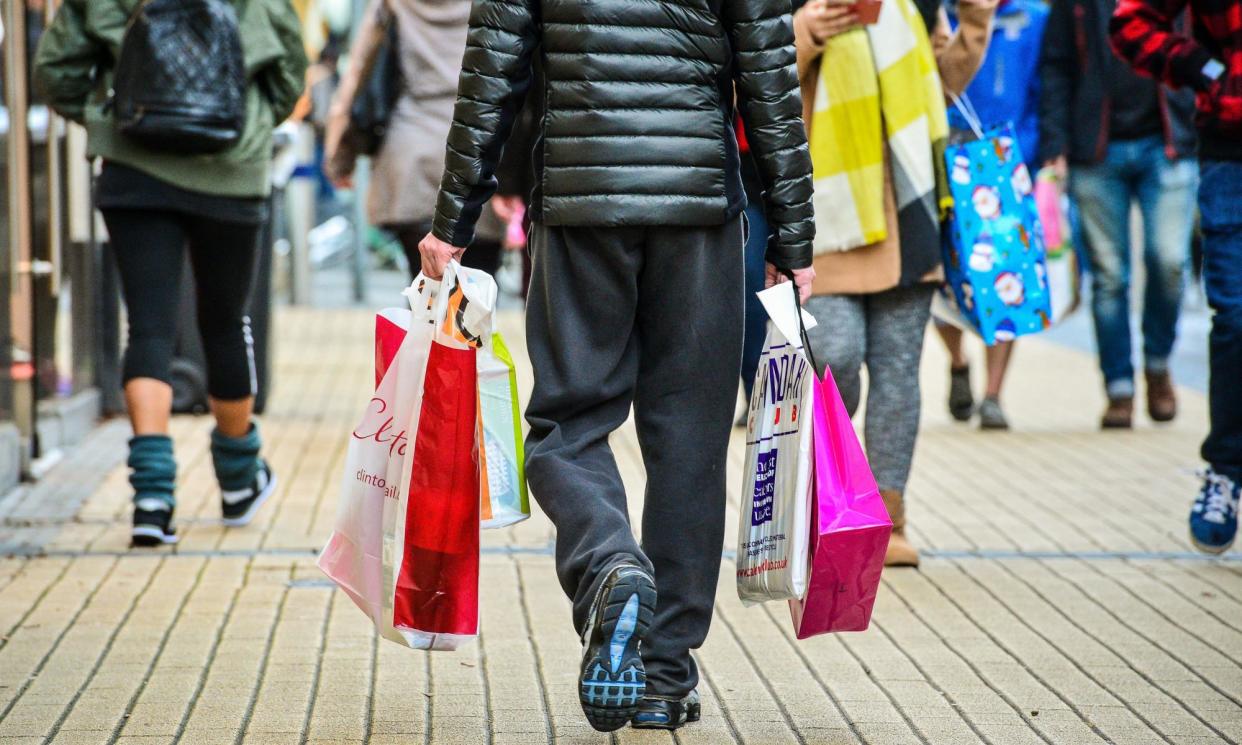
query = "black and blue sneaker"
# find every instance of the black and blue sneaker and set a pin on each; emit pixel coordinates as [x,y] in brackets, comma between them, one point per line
[666,713]
[239,505]
[1214,515]
[153,522]
[612,679]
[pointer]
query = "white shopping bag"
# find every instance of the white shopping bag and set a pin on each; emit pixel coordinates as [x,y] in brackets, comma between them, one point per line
[774,527]
[364,553]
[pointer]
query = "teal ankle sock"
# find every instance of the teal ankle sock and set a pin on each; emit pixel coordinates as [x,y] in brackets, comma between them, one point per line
[236,458]
[153,470]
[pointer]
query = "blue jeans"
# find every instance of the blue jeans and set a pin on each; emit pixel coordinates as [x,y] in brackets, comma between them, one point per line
[756,316]
[1165,191]
[1220,218]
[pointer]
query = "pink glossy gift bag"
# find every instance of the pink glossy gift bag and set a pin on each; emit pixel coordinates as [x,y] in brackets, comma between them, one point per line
[849,525]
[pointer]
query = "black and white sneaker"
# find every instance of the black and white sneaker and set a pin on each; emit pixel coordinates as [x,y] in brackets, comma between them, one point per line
[153,522]
[239,505]
[668,714]
[612,679]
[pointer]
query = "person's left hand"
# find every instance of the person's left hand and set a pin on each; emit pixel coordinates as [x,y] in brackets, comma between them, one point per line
[803,278]
[436,254]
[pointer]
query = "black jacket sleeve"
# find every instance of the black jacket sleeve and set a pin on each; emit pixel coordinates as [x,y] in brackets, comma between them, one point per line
[1058,67]
[761,35]
[495,75]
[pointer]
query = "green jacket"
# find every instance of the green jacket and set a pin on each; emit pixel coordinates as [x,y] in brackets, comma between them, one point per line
[73,71]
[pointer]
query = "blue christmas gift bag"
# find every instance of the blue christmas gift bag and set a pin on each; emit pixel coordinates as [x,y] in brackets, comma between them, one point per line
[994,254]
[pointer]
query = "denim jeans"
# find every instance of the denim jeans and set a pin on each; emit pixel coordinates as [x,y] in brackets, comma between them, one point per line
[1165,191]
[756,316]
[1220,217]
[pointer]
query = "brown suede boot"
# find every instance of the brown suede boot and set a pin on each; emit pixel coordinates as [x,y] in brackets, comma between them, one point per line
[1161,398]
[1119,414]
[900,553]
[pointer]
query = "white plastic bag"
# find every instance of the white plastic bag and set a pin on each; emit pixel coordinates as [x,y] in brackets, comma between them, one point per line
[364,554]
[774,527]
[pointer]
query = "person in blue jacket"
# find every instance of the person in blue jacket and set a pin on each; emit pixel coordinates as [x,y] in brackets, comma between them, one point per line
[1005,90]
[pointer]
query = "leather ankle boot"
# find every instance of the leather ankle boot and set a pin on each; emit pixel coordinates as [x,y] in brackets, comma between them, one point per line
[1161,398]
[900,553]
[1119,414]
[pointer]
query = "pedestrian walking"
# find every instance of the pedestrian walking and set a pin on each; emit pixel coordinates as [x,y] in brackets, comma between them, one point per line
[878,248]
[755,250]
[1145,33]
[430,37]
[637,295]
[1006,89]
[1121,139]
[186,144]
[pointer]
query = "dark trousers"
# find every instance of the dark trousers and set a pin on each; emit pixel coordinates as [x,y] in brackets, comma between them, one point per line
[482,254]
[150,248]
[651,317]
[1220,207]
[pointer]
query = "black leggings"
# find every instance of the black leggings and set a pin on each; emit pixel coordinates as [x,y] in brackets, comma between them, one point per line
[149,246]
[482,254]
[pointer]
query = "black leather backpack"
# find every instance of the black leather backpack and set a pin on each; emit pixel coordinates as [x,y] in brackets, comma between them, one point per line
[377,94]
[180,82]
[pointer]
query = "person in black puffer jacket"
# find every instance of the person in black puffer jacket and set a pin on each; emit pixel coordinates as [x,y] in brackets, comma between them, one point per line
[637,293]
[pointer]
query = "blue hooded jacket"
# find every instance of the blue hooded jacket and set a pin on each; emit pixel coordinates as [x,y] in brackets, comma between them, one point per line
[1006,89]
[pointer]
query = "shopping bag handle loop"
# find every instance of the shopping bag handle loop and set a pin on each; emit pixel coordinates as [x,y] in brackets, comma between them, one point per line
[806,339]
[967,110]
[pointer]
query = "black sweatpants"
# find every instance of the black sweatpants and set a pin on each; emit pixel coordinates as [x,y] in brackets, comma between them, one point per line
[150,247]
[652,317]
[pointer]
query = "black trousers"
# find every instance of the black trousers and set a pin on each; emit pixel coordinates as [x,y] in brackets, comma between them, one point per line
[150,248]
[482,254]
[651,317]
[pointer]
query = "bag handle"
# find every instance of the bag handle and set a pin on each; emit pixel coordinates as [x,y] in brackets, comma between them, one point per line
[806,339]
[967,110]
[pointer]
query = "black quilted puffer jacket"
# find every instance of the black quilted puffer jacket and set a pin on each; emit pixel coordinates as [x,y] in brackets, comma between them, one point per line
[638,101]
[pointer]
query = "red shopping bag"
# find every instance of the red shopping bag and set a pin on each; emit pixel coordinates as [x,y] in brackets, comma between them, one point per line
[850,526]
[438,584]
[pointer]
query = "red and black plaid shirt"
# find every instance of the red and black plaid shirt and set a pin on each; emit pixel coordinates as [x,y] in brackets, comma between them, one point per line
[1143,33]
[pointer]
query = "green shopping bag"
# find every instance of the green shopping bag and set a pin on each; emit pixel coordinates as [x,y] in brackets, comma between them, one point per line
[503,498]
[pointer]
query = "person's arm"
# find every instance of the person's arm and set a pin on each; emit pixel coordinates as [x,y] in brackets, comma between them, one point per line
[959,53]
[1058,69]
[284,78]
[761,32]
[66,60]
[495,74]
[339,157]
[1142,33]
[808,47]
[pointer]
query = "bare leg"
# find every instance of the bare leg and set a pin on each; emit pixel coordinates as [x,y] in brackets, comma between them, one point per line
[998,357]
[149,402]
[961,400]
[233,417]
[952,337]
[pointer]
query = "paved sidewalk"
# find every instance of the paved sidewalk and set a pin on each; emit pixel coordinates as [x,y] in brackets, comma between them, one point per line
[1058,602]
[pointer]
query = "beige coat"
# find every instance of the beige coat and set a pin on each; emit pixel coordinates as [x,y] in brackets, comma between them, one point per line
[406,172]
[877,267]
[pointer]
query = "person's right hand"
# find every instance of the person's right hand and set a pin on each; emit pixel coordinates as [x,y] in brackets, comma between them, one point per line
[436,254]
[827,18]
[1059,166]
[803,279]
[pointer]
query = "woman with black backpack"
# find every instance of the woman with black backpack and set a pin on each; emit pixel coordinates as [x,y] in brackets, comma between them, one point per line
[179,99]
[395,104]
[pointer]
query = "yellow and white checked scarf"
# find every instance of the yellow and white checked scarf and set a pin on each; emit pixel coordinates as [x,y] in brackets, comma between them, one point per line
[877,83]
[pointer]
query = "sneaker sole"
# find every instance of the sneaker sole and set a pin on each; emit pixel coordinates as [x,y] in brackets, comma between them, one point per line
[150,535]
[245,518]
[689,715]
[1209,549]
[612,679]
